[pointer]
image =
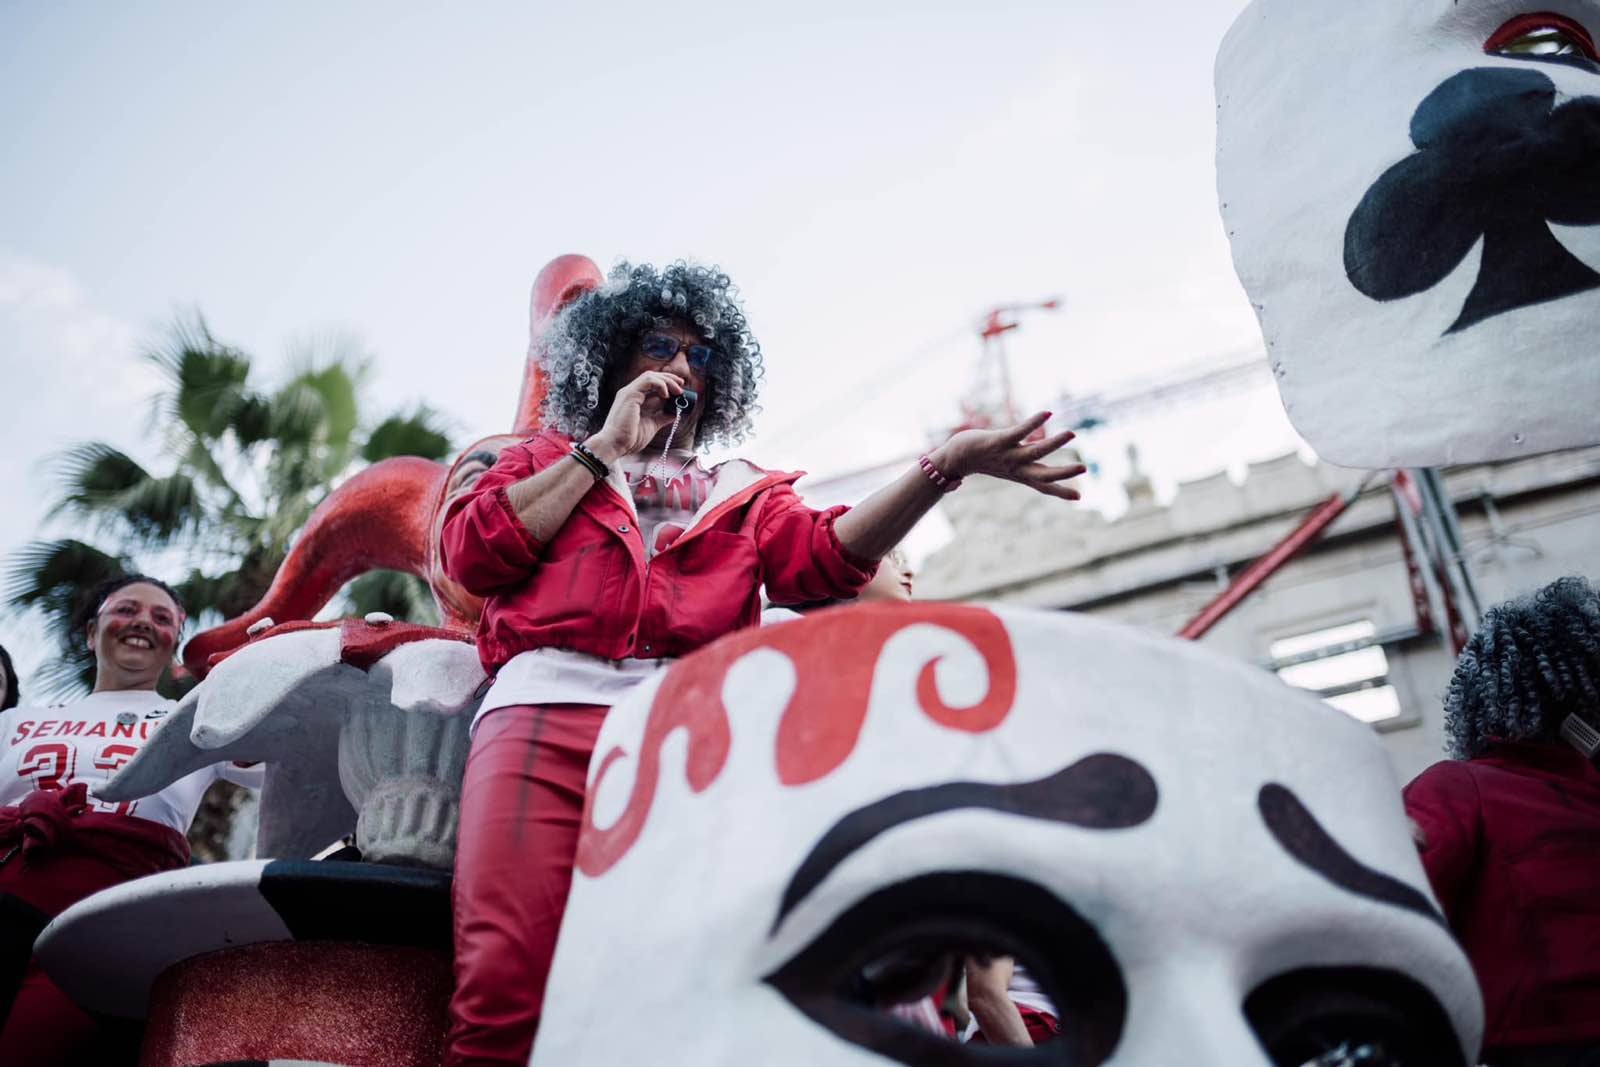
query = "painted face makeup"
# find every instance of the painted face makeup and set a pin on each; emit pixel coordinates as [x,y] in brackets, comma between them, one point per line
[1412,198]
[139,618]
[1195,863]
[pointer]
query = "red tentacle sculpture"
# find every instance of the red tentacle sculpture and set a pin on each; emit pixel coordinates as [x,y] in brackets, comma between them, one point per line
[387,516]
[562,281]
[378,520]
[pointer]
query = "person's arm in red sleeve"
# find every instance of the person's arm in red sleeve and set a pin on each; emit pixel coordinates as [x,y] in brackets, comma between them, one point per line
[1445,811]
[484,543]
[801,555]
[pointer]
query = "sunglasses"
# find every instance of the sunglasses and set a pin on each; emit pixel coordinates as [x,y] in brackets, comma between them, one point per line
[663,347]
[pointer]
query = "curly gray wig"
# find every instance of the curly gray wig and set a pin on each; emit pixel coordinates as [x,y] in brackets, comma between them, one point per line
[1533,661]
[591,340]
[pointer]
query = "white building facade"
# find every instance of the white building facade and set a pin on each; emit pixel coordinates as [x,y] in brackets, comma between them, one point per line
[1340,619]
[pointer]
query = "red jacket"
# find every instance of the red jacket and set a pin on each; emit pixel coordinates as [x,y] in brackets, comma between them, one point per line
[1513,852]
[590,588]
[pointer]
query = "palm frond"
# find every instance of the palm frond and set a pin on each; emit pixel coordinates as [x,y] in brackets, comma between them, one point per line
[93,474]
[54,580]
[196,456]
[421,433]
[205,379]
[55,576]
[110,488]
[160,509]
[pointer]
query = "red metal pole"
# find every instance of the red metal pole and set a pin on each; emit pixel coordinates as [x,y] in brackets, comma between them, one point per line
[1258,572]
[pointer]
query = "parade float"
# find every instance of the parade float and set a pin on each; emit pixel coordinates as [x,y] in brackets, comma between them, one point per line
[1200,865]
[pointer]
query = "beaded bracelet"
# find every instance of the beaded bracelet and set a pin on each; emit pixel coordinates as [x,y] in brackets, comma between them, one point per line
[590,461]
[945,483]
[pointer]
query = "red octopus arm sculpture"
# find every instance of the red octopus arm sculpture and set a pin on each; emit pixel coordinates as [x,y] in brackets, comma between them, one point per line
[387,517]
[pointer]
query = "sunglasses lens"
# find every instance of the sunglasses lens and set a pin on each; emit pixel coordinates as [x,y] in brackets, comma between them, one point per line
[658,346]
[700,356]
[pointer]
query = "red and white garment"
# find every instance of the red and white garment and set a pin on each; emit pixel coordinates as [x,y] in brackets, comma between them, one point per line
[667,491]
[1025,992]
[666,494]
[88,741]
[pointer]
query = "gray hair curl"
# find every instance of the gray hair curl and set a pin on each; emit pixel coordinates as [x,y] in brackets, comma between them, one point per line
[590,341]
[1533,661]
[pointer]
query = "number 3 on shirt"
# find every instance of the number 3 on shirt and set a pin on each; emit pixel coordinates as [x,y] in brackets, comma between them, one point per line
[48,765]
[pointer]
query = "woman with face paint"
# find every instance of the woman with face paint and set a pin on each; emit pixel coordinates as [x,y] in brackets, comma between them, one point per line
[1510,829]
[58,844]
[603,549]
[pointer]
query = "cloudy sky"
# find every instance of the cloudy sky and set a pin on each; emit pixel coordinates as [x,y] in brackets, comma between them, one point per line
[873,175]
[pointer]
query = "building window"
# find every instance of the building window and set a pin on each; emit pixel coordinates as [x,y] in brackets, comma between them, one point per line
[1345,665]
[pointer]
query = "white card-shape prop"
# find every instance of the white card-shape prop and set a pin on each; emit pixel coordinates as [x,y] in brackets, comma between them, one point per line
[1196,863]
[1412,192]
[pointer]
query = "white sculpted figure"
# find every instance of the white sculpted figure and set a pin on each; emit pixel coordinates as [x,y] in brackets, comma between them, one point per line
[362,725]
[1412,191]
[1199,865]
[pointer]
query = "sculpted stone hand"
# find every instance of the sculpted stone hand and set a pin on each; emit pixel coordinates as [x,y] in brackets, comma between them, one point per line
[1007,453]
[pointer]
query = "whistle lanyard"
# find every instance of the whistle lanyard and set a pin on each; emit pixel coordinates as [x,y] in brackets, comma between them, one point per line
[660,463]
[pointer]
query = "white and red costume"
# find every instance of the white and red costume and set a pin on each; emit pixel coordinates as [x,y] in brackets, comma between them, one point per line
[639,573]
[59,843]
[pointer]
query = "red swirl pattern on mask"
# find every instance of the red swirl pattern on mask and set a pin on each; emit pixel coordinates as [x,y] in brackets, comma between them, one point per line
[835,659]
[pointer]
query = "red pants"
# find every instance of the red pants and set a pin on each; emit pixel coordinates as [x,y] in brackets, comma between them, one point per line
[91,852]
[521,810]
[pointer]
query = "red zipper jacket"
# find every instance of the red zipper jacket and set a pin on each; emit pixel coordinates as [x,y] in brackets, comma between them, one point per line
[590,588]
[1513,852]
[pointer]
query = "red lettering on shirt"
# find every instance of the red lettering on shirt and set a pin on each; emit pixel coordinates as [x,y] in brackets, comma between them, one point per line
[48,766]
[23,730]
[111,757]
[97,730]
[122,729]
[69,729]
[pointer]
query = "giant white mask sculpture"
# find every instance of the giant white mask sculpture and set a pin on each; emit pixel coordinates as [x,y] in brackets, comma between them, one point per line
[1198,864]
[1412,191]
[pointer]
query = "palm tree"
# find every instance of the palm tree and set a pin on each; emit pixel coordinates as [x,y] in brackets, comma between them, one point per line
[242,470]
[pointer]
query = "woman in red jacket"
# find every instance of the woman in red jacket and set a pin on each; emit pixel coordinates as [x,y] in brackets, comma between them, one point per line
[1510,831]
[603,549]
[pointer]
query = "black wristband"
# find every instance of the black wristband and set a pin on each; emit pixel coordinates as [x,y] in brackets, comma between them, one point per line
[590,461]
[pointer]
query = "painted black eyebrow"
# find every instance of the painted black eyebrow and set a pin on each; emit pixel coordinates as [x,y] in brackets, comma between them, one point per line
[1294,827]
[1099,792]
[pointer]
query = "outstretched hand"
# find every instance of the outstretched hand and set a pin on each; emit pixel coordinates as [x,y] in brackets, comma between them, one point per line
[1006,453]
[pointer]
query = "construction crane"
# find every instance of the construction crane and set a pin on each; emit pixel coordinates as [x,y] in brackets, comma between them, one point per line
[982,407]
[1219,376]
[1190,383]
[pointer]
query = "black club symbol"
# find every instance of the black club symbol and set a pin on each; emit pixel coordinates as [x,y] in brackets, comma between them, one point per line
[1497,159]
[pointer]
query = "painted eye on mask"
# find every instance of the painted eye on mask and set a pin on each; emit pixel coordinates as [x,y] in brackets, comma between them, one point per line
[907,941]
[1351,1017]
[1543,37]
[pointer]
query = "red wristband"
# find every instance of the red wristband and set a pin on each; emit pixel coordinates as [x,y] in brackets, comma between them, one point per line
[938,477]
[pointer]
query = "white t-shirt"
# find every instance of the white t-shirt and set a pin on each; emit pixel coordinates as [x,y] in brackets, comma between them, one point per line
[666,494]
[665,500]
[87,741]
